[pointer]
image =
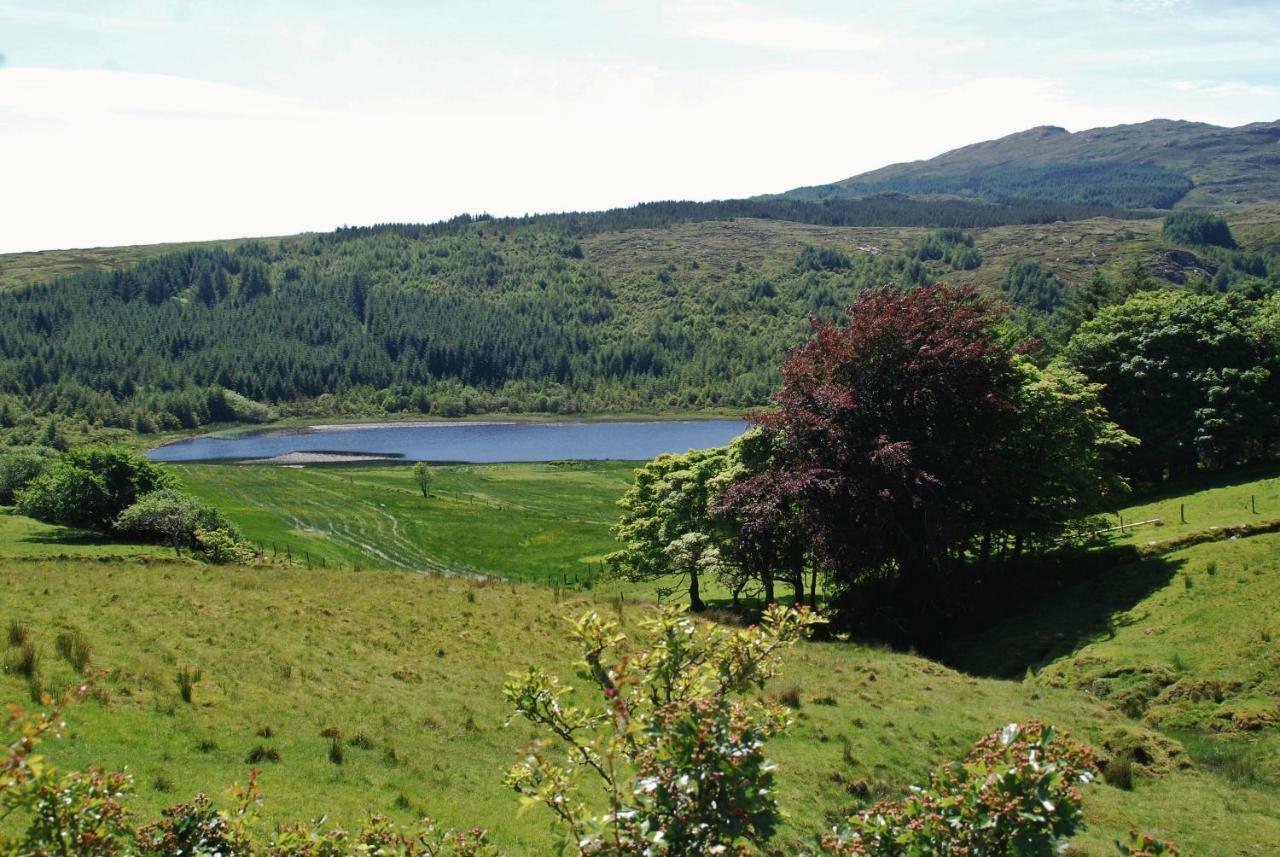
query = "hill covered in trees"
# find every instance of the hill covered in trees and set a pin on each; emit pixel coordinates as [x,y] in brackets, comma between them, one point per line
[668,307]
[1158,164]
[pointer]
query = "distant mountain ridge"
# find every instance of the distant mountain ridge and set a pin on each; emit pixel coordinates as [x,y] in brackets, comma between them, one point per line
[1162,163]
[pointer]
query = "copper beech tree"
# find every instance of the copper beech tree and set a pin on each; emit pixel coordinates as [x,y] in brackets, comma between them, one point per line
[913,439]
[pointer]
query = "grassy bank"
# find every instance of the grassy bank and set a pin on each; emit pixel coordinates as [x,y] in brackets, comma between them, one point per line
[1168,666]
[408,667]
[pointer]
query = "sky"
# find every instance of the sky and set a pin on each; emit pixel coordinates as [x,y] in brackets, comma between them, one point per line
[169,120]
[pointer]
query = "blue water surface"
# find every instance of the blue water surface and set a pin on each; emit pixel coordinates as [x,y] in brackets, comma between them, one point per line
[479,443]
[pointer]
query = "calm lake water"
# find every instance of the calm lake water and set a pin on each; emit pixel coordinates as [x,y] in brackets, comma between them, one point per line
[477,443]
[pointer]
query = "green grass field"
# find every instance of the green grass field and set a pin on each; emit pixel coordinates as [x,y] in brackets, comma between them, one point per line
[24,539]
[1170,662]
[409,668]
[547,522]
[1205,502]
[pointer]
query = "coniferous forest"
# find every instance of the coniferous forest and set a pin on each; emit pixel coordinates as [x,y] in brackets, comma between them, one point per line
[476,315]
[465,316]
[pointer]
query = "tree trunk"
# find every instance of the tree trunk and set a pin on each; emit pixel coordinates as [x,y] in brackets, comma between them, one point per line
[984,553]
[767,577]
[695,599]
[797,582]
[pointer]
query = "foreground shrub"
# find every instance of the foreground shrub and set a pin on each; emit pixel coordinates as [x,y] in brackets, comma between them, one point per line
[379,835]
[1142,845]
[672,738]
[192,828]
[47,813]
[1015,794]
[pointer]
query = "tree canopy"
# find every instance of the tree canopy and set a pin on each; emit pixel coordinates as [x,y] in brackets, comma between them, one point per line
[1189,375]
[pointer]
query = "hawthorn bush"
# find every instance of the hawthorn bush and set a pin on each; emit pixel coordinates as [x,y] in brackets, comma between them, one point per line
[673,742]
[1016,794]
[183,521]
[90,487]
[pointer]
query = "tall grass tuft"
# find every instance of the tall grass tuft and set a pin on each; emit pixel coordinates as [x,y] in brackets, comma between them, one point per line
[74,648]
[1119,773]
[262,753]
[186,679]
[19,633]
[336,754]
[24,662]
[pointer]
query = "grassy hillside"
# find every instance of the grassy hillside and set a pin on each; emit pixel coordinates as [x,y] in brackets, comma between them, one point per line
[408,667]
[24,269]
[1169,664]
[1206,502]
[24,539]
[1161,163]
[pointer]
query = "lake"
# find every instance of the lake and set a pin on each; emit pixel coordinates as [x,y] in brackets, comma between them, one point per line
[476,443]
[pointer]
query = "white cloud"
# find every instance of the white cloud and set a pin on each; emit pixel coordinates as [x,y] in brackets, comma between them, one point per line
[742,24]
[1226,89]
[98,157]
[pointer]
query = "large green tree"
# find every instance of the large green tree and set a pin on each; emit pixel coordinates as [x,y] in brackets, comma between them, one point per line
[667,528]
[1186,374]
[767,537]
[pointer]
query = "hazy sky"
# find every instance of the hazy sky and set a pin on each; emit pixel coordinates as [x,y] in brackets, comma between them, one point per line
[145,121]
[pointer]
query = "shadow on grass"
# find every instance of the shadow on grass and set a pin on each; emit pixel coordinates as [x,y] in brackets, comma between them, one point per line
[1060,623]
[73,537]
[67,536]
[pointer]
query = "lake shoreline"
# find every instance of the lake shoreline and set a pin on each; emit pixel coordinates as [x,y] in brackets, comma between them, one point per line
[333,423]
[471,442]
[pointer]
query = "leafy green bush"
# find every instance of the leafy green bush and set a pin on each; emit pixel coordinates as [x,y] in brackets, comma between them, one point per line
[1015,794]
[1198,228]
[192,828]
[673,738]
[64,494]
[20,467]
[90,487]
[223,546]
[1142,845]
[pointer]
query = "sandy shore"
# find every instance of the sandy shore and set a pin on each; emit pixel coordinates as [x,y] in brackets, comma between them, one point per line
[405,424]
[293,459]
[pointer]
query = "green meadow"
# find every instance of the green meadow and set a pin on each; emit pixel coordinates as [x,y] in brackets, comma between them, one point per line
[546,522]
[408,668]
[1206,501]
[393,620]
